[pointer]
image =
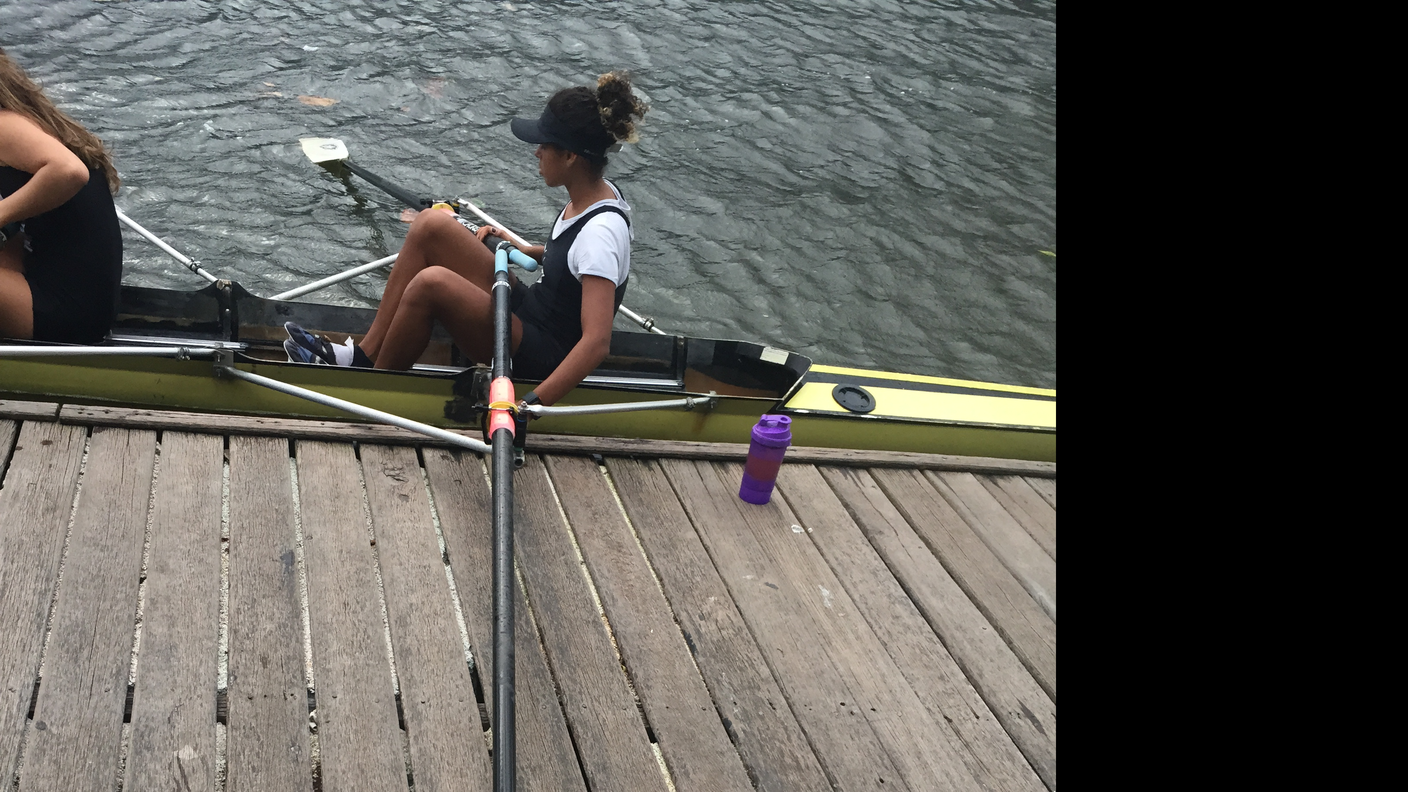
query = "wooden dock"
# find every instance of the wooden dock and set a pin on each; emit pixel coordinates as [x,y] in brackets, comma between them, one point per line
[196,602]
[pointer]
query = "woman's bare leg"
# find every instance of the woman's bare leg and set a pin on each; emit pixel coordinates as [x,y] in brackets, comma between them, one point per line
[16,301]
[436,239]
[436,293]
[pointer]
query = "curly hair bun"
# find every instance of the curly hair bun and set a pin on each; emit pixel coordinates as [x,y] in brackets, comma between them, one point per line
[618,105]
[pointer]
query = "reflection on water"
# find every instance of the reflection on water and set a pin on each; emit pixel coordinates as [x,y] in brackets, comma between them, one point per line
[867,182]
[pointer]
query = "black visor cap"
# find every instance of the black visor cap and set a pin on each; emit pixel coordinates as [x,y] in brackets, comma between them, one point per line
[548,129]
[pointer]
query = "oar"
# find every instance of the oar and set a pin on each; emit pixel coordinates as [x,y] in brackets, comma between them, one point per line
[324,150]
[502,427]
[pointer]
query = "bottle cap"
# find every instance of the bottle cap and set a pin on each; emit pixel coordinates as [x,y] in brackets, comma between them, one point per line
[774,431]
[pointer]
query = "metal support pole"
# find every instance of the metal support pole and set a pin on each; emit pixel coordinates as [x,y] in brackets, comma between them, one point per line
[338,278]
[688,403]
[644,321]
[170,251]
[40,350]
[224,367]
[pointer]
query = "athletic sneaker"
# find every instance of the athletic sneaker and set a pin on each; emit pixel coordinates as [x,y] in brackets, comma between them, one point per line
[318,349]
[297,354]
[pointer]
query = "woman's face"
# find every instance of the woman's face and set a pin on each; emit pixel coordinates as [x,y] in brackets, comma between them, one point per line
[553,164]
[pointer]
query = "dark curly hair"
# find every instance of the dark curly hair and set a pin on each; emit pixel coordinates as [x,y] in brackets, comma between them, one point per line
[601,115]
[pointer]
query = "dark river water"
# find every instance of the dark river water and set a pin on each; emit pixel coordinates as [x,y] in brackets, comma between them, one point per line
[866,182]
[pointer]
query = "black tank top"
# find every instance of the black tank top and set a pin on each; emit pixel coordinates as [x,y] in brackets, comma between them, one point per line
[74,250]
[554,303]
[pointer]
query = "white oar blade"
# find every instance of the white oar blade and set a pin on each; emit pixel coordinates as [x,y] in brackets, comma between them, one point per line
[324,149]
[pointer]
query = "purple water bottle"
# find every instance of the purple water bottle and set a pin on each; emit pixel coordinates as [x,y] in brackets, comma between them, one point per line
[771,437]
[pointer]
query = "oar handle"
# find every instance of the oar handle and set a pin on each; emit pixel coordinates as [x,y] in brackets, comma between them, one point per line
[522,259]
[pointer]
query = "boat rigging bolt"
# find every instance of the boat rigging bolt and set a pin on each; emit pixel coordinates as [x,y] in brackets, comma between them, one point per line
[224,361]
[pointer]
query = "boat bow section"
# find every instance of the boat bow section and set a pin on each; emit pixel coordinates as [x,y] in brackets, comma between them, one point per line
[853,408]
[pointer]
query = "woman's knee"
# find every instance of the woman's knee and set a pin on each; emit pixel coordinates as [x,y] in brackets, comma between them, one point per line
[431,224]
[430,286]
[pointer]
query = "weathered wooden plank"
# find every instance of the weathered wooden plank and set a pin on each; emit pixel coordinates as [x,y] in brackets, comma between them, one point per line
[687,728]
[756,714]
[173,700]
[827,705]
[267,744]
[34,509]
[9,430]
[547,762]
[77,736]
[1045,487]
[1008,540]
[1027,507]
[359,738]
[539,443]
[924,749]
[1001,599]
[10,408]
[606,726]
[1007,689]
[437,694]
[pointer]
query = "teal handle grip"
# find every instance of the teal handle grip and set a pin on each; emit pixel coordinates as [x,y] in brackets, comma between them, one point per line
[501,260]
[522,259]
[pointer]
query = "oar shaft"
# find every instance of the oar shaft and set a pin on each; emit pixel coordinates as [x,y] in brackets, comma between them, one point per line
[404,196]
[170,251]
[501,425]
[504,584]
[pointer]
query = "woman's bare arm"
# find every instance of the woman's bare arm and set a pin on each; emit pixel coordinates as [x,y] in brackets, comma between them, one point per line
[58,174]
[533,251]
[598,309]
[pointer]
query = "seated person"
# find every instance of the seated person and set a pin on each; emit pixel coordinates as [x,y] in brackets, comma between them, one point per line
[562,324]
[60,243]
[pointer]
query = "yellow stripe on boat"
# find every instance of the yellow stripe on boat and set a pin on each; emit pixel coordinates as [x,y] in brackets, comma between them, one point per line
[932,405]
[841,371]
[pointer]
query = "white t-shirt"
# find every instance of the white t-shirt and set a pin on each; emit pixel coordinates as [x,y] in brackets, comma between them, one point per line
[603,248]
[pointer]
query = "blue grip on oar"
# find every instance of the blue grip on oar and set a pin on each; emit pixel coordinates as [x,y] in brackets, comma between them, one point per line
[500,260]
[522,259]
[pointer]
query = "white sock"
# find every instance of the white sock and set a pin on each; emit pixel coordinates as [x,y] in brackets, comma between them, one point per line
[342,353]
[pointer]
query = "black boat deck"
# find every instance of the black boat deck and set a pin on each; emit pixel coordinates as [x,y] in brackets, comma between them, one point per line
[211,602]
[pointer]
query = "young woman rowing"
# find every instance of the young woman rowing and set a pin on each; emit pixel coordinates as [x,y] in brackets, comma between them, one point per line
[562,324]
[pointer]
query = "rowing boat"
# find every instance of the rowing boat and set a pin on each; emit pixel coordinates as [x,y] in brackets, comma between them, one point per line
[736,381]
[722,385]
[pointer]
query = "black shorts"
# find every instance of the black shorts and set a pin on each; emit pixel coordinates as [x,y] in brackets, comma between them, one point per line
[75,313]
[539,353]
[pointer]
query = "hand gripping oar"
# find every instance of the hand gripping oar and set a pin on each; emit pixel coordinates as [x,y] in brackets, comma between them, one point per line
[501,434]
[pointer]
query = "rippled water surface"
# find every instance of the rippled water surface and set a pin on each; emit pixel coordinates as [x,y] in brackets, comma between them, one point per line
[867,182]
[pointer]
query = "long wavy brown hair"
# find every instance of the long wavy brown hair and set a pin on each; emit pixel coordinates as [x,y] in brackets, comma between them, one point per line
[22,95]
